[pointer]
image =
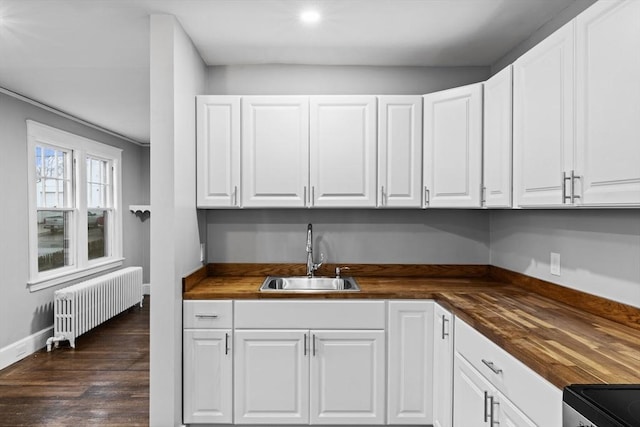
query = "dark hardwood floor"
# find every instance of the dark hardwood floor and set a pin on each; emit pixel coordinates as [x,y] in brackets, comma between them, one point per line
[104,381]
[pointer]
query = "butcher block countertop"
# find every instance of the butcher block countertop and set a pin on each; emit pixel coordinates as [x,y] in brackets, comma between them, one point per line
[566,336]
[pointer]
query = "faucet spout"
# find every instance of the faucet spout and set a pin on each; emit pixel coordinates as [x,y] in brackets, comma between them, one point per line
[311,266]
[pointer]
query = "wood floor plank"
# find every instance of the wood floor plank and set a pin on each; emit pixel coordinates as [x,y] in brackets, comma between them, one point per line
[104,381]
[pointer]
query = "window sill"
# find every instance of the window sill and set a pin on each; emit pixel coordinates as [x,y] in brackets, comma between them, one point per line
[57,279]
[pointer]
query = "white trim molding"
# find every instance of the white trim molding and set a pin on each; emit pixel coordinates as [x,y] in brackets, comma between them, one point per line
[24,347]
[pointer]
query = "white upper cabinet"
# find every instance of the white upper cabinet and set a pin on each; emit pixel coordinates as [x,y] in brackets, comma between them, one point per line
[218,151]
[452,167]
[608,104]
[498,141]
[543,136]
[343,151]
[400,151]
[275,151]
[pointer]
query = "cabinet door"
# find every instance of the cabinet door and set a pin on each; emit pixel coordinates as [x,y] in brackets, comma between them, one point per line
[208,385]
[453,147]
[347,377]
[442,367]
[471,406]
[275,151]
[343,151]
[497,143]
[271,377]
[543,121]
[507,415]
[410,369]
[608,104]
[400,151]
[218,151]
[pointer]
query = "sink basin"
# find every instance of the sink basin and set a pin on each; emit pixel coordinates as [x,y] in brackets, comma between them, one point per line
[309,284]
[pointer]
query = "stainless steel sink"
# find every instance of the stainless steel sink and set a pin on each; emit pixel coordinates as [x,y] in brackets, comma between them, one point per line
[309,284]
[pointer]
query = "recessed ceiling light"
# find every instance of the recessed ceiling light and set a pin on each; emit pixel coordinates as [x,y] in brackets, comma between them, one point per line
[310,17]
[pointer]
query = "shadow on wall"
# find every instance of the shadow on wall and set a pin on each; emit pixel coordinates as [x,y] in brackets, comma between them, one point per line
[42,317]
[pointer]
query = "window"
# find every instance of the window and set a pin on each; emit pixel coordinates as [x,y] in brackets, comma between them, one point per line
[75,206]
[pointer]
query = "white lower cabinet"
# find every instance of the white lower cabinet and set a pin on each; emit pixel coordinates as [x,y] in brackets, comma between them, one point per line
[271,377]
[491,387]
[347,384]
[310,362]
[207,362]
[478,404]
[410,374]
[442,367]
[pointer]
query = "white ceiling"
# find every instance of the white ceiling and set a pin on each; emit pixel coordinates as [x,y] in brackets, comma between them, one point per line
[90,58]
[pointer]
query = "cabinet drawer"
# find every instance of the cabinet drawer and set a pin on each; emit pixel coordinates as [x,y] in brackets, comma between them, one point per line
[536,397]
[207,314]
[310,314]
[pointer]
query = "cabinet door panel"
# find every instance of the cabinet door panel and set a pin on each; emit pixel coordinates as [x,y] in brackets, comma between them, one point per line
[218,151]
[271,377]
[453,147]
[275,151]
[497,143]
[508,415]
[410,362]
[469,387]
[543,108]
[400,151]
[442,367]
[608,103]
[347,377]
[343,151]
[208,383]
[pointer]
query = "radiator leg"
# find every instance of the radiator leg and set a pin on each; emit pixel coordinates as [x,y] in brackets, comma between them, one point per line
[53,341]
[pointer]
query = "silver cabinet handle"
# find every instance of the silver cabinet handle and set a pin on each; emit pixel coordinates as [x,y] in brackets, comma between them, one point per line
[382,196]
[483,197]
[491,366]
[492,403]
[304,197]
[426,196]
[313,195]
[207,316]
[235,196]
[444,319]
[573,186]
[313,345]
[486,410]
[565,178]
[226,343]
[304,347]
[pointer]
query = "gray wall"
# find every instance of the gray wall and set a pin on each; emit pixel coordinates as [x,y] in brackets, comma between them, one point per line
[22,312]
[543,32]
[599,249]
[350,236]
[340,80]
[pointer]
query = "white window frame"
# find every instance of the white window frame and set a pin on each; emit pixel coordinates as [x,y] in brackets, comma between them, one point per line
[39,134]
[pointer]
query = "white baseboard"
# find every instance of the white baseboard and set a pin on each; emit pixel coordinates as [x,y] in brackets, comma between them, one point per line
[146,289]
[24,347]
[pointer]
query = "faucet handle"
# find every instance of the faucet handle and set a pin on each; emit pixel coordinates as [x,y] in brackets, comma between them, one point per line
[318,265]
[339,269]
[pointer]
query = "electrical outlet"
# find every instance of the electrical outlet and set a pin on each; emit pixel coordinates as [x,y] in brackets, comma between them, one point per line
[555,264]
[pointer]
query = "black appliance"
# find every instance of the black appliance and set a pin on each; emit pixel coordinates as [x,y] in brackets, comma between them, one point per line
[601,405]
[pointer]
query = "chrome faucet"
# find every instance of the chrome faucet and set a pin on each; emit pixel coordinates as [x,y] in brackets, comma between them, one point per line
[311,266]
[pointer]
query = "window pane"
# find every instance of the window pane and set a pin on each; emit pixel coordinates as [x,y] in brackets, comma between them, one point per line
[53,178]
[54,228]
[98,183]
[97,222]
